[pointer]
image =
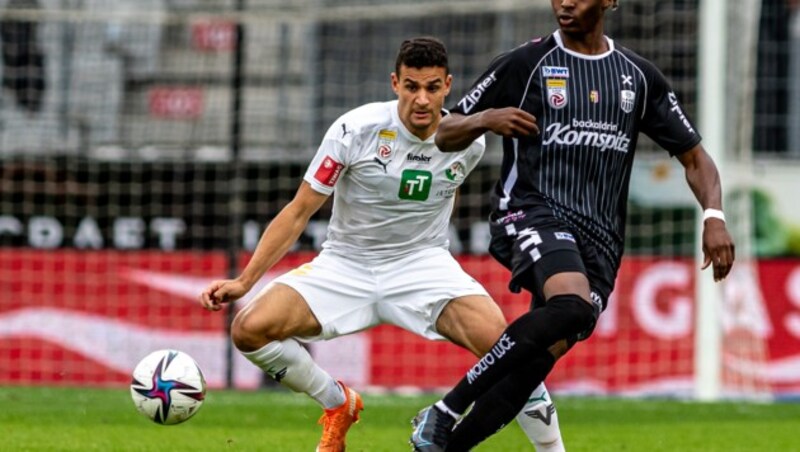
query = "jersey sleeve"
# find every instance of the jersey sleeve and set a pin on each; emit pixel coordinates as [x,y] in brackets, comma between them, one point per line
[474,153]
[489,89]
[331,160]
[665,120]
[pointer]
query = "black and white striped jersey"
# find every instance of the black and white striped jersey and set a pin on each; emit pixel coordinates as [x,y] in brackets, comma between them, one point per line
[590,110]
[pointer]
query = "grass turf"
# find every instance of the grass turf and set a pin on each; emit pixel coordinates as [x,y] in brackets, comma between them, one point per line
[69,419]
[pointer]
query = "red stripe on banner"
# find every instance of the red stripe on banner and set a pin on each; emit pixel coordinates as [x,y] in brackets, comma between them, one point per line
[68,317]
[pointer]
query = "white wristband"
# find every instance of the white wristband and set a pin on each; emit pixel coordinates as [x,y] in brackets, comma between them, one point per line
[713,213]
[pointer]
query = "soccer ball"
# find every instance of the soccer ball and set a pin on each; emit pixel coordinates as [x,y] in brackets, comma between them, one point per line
[168,387]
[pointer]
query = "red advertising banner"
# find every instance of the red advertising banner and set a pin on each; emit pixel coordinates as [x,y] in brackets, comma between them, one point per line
[213,35]
[78,318]
[176,102]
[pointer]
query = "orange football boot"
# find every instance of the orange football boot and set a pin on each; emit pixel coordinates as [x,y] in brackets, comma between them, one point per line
[337,421]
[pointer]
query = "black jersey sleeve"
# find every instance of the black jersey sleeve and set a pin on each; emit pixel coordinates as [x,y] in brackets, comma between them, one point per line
[665,120]
[499,86]
[487,91]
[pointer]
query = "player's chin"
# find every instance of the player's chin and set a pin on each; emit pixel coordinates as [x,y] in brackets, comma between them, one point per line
[422,119]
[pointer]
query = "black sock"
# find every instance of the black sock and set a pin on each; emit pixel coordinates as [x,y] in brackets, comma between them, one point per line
[500,405]
[527,337]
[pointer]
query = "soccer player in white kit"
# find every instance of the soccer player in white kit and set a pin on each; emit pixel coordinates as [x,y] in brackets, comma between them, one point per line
[386,258]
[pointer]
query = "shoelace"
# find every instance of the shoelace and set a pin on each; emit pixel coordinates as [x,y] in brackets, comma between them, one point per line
[328,435]
[442,429]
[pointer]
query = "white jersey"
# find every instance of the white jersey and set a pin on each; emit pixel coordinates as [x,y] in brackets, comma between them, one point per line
[392,192]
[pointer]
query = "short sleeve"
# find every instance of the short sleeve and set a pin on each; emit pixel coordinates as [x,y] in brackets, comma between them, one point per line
[488,91]
[665,120]
[475,152]
[331,160]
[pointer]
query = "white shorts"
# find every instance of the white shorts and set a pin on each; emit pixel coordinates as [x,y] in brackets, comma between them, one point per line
[348,296]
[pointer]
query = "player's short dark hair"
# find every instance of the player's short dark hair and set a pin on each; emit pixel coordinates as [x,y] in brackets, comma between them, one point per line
[425,51]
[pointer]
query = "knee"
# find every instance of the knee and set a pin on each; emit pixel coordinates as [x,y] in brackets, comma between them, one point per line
[578,315]
[248,335]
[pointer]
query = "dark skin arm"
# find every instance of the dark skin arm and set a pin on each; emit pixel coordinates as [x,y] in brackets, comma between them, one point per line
[456,131]
[703,178]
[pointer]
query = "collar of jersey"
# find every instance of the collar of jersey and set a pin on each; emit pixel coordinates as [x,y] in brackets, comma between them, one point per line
[407,133]
[557,36]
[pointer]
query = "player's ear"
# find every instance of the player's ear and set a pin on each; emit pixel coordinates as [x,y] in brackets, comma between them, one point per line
[395,83]
[448,83]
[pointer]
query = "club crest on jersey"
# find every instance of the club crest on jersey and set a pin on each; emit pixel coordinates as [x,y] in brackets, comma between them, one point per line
[627,100]
[456,172]
[557,93]
[594,96]
[386,140]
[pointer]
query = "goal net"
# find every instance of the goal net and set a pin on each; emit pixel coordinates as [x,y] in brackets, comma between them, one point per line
[143,151]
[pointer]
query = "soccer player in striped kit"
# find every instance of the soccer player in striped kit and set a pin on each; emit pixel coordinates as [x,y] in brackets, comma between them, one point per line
[386,258]
[569,107]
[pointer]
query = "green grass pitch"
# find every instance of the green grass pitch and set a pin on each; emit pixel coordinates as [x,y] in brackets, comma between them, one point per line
[67,419]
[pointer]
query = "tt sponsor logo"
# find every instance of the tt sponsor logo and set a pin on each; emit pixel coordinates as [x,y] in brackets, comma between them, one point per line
[415,185]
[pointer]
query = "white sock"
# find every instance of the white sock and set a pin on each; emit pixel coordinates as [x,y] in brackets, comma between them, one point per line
[290,364]
[446,409]
[539,420]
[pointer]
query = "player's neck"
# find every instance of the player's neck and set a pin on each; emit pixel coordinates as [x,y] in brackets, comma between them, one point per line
[592,43]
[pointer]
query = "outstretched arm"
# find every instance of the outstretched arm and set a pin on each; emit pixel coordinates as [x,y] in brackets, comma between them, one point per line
[276,240]
[703,178]
[457,131]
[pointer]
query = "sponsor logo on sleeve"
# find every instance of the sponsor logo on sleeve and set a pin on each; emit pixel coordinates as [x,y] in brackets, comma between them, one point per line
[676,108]
[328,172]
[468,102]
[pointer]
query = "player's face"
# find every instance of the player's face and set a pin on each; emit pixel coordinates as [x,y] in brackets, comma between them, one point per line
[421,94]
[579,16]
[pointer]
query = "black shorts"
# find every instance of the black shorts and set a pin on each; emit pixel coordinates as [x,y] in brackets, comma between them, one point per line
[535,245]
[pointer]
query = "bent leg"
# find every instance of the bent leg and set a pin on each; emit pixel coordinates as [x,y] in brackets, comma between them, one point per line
[476,323]
[278,312]
[263,332]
